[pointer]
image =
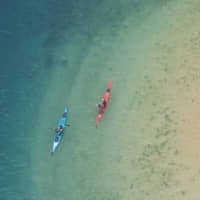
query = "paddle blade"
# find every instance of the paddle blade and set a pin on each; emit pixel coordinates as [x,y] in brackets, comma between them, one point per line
[93,107]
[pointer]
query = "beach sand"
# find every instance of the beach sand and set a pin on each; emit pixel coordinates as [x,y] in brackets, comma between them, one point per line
[146,146]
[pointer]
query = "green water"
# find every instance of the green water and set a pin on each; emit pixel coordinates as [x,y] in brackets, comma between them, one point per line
[67,56]
[88,163]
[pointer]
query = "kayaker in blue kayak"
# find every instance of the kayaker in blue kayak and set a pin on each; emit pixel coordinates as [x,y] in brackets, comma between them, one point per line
[59,130]
[102,105]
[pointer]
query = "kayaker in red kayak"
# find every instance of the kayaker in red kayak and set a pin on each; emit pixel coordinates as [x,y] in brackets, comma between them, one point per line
[102,104]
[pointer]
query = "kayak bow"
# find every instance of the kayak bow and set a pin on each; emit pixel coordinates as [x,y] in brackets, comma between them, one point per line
[106,97]
[57,138]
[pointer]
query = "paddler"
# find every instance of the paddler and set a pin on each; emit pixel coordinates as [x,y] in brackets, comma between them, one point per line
[102,104]
[59,130]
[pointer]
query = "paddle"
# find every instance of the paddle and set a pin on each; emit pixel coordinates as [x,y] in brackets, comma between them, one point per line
[93,107]
[55,128]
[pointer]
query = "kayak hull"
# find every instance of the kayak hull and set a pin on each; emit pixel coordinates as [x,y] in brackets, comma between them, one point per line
[58,138]
[106,97]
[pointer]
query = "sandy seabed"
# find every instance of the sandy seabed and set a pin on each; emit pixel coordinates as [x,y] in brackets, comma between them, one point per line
[146,146]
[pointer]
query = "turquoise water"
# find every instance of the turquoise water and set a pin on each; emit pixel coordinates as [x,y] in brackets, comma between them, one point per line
[33,36]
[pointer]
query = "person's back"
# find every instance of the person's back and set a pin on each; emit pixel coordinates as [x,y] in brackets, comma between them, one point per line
[59,130]
[101,105]
[104,103]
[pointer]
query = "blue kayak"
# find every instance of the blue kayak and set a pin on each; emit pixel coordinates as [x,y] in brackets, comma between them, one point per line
[58,137]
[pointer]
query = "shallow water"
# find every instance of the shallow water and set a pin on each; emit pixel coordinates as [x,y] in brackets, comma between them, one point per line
[58,53]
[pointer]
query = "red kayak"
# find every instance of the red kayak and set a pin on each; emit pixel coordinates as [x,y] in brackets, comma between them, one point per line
[105,98]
